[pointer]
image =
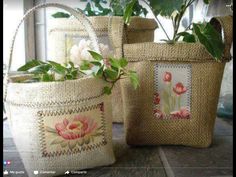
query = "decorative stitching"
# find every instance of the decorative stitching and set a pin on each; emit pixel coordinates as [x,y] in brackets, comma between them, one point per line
[52,103]
[76,30]
[42,136]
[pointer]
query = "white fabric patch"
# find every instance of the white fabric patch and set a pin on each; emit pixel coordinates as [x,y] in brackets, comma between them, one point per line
[172,91]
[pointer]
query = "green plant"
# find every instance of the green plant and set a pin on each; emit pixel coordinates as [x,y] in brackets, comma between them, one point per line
[195,32]
[125,8]
[111,70]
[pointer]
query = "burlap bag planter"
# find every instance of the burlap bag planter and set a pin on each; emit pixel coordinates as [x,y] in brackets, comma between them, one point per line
[64,33]
[177,99]
[60,126]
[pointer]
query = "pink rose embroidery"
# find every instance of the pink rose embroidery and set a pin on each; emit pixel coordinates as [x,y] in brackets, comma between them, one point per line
[78,128]
[156,98]
[179,88]
[182,113]
[167,77]
[158,114]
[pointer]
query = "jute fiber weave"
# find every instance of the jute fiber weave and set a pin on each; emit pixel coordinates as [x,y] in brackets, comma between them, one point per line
[141,127]
[63,125]
[139,30]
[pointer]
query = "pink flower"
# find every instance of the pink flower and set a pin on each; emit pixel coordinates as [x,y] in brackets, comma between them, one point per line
[156,98]
[107,62]
[182,113]
[158,114]
[179,88]
[167,77]
[185,112]
[78,128]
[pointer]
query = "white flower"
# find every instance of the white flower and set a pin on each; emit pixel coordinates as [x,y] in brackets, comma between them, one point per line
[105,50]
[79,52]
[75,55]
[85,55]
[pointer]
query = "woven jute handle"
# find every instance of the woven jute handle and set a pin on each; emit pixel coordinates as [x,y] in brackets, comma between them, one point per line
[78,14]
[116,34]
[224,25]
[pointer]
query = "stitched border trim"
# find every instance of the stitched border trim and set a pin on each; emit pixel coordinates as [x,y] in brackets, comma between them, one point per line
[52,103]
[76,30]
[42,114]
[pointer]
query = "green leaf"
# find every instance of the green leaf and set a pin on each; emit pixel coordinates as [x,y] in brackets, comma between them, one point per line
[210,38]
[57,140]
[189,38]
[61,15]
[139,10]
[80,141]
[51,130]
[58,68]
[134,79]
[72,144]
[111,74]
[165,96]
[165,8]
[107,90]
[63,144]
[88,10]
[206,1]
[128,11]
[47,78]
[40,69]
[100,72]
[114,62]
[71,64]
[69,77]
[87,140]
[74,73]
[29,65]
[105,12]
[85,65]
[95,55]
[117,8]
[97,63]
[166,109]
[123,62]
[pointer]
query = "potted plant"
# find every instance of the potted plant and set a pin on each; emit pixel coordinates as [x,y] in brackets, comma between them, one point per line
[108,18]
[62,112]
[180,80]
[63,27]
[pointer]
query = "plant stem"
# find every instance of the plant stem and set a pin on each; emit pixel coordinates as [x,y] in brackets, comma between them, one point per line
[179,102]
[158,21]
[179,18]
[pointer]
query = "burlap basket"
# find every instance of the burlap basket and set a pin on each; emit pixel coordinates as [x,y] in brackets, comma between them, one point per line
[60,126]
[177,99]
[64,33]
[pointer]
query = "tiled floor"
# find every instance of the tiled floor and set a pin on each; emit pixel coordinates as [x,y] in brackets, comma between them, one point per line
[159,161]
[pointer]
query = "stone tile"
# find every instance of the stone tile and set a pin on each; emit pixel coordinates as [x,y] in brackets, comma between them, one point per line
[194,162]
[202,172]
[223,127]
[131,161]
[6,128]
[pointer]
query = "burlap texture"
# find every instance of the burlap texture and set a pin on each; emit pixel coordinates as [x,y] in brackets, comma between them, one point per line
[25,101]
[59,126]
[139,30]
[141,128]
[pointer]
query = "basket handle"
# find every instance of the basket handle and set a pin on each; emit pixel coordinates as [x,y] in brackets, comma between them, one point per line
[78,14]
[116,34]
[224,25]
